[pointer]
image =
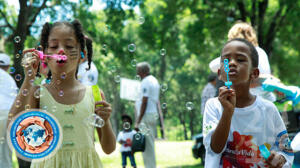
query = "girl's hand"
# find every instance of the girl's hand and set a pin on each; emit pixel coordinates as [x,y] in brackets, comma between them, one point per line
[30,61]
[275,160]
[227,98]
[103,111]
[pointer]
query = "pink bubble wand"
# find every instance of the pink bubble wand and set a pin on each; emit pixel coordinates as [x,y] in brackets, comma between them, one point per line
[58,57]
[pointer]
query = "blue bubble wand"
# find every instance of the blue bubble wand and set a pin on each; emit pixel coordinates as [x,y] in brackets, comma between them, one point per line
[226,67]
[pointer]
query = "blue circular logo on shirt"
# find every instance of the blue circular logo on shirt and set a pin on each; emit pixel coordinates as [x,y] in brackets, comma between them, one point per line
[34,134]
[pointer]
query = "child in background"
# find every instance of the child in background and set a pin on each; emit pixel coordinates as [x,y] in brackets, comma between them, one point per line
[125,139]
[66,98]
[236,122]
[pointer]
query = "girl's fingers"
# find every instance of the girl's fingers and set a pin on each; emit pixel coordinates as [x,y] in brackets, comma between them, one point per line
[104,103]
[106,109]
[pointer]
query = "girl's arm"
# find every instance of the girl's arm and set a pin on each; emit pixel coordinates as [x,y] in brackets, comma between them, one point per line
[106,135]
[26,96]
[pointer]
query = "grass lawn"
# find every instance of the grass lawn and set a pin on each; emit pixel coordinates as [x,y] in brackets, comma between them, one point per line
[169,154]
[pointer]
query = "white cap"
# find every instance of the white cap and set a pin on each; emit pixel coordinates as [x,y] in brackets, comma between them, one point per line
[4,59]
[214,65]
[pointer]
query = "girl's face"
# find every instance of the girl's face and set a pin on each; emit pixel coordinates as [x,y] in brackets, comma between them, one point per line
[62,41]
[240,63]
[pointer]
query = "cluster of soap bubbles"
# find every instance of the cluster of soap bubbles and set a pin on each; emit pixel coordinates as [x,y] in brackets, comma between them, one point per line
[143,129]
[95,121]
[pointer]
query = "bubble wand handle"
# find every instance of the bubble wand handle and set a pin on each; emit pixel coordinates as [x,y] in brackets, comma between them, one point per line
[226,68]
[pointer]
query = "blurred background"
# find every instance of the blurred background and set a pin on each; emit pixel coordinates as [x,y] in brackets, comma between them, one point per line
[178,38]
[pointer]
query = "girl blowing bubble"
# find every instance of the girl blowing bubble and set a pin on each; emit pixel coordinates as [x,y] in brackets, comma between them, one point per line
[66,98]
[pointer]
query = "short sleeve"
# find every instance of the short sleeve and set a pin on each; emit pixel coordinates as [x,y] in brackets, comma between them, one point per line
[210,121]
[281,135]
[120,136]
[145,89]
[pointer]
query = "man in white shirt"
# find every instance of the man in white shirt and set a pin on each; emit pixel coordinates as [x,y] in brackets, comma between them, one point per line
[7,97]
[209,90]
[147,109]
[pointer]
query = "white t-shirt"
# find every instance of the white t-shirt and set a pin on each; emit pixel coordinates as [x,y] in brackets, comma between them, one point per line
[87,77]
[149,88]
[251,126]
[127,137]
[8,93]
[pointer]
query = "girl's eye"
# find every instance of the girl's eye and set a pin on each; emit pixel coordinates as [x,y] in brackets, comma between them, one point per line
[241,60]
[70,47]
[53,47]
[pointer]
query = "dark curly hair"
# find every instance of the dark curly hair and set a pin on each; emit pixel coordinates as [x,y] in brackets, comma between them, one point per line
[82,39]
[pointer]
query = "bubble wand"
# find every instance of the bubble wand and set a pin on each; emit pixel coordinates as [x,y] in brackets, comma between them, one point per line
[58,57]
[226,67]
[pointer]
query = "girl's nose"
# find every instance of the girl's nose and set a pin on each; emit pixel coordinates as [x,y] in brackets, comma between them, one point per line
[61,51]
[232,62]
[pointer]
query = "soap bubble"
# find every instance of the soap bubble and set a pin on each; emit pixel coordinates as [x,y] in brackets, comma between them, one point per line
[138,77]
[63,75]
[18,55]
[37,93]
[18,103]
[58,82]
[104,47]
[133,62]
[156,116]
[126,125]
[141,20]
[12,70]
[27,106]
[189,105]
[45,108]
[54,108]
[20,52]
[18,77]
[131,47]
[164,106]
[31,81]
[17,39]
[25,92]
[137,136]
[117,78]
[113,69]
[95,120]
[2,140]
[163,52]
[61,93]
[29,72]
[144,129]
[164,87]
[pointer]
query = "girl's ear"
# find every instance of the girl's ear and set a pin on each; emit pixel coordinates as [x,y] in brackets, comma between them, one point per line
[254,74]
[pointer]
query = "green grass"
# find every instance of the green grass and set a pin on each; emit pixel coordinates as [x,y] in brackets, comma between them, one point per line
[169,154]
